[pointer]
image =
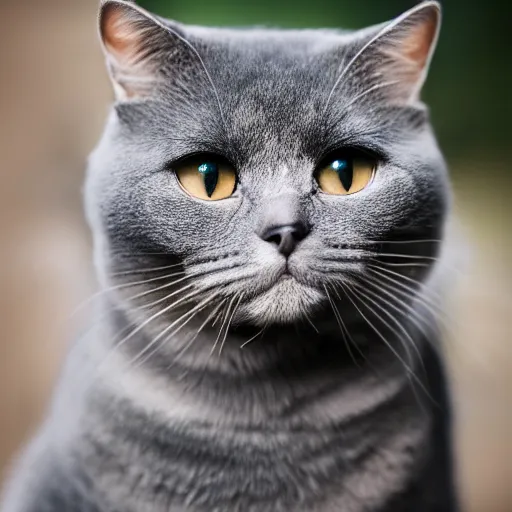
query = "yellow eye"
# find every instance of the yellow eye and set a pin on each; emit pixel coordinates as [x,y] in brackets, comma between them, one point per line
[347,174]
[206,177]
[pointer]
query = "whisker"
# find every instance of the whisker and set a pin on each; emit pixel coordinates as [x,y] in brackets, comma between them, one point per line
[158,288]
[402,341]
[405,256]
[136,254]
[351,339]
[143,324]
[395,321]
[310,322]
[150,305]
[417,286]
[229,323]
[341,325]
[144,270]
[191,314]
[259,333]
[413,257]
[226,315]
[190,275]
[408,291]
[403,265]
[421,241]
[385,30]
[375,87]
[408,307]
[110,289]
[203,325]
[447,323]
[208,76]
[406,366]
[354,59]
[421,298]
[118,345]
[363,244]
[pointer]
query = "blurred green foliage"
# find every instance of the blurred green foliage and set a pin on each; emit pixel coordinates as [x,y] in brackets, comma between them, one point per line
[469,88]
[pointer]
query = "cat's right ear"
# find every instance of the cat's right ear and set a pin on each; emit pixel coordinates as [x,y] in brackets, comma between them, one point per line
[134,42]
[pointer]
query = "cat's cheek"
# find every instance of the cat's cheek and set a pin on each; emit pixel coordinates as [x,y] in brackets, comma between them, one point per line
[178,223]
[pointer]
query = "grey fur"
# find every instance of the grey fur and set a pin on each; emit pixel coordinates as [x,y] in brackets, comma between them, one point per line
[303,418]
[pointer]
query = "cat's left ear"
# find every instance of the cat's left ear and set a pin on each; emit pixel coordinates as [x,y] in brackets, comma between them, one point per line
[400,52]
[139,48]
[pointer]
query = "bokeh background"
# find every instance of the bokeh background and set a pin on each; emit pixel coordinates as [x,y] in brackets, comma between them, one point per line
[54,96]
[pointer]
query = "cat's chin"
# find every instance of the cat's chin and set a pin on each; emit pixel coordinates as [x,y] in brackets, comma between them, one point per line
[286,302]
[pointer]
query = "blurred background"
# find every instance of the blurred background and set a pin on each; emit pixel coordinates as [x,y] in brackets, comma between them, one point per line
[54,96]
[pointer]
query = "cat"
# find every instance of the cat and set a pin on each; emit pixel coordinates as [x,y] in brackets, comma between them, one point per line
[269,212]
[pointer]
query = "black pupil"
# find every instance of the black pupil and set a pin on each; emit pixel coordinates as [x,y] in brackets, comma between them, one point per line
[345,170]
[210,173]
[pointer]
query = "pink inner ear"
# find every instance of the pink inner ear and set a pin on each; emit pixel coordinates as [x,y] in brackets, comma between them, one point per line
[408,52]
[126,35]
[416,46]
[118,33]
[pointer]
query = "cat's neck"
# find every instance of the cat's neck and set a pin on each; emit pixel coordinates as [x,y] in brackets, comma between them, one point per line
[287,377]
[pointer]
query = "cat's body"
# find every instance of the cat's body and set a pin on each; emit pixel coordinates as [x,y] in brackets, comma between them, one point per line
[321,411]
[316,436]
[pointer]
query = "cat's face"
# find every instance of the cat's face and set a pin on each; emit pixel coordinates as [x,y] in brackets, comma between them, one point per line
[273,169]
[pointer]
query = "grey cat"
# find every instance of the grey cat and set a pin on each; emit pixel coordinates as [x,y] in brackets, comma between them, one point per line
[269,211]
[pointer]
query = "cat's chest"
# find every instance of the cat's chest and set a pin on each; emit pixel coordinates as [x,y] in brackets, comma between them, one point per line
[318,447]
[200,468]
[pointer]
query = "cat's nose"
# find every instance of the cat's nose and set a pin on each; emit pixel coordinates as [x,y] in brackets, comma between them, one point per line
[286,238]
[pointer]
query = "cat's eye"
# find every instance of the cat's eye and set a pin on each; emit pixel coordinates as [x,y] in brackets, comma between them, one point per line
[206,177]
[346,173]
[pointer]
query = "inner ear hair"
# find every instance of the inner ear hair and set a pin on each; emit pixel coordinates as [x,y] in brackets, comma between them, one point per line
[133,41]
[393,59]
[408,46]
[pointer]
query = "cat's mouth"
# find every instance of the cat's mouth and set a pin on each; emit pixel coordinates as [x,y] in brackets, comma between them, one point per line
[284,282]
[286,274]
[285,300]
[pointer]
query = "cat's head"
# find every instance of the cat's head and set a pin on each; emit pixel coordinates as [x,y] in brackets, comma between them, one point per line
[265,170]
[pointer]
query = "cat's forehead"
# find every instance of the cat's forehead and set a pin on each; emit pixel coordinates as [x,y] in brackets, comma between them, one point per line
[279,42]
[271,63]
[271,82]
